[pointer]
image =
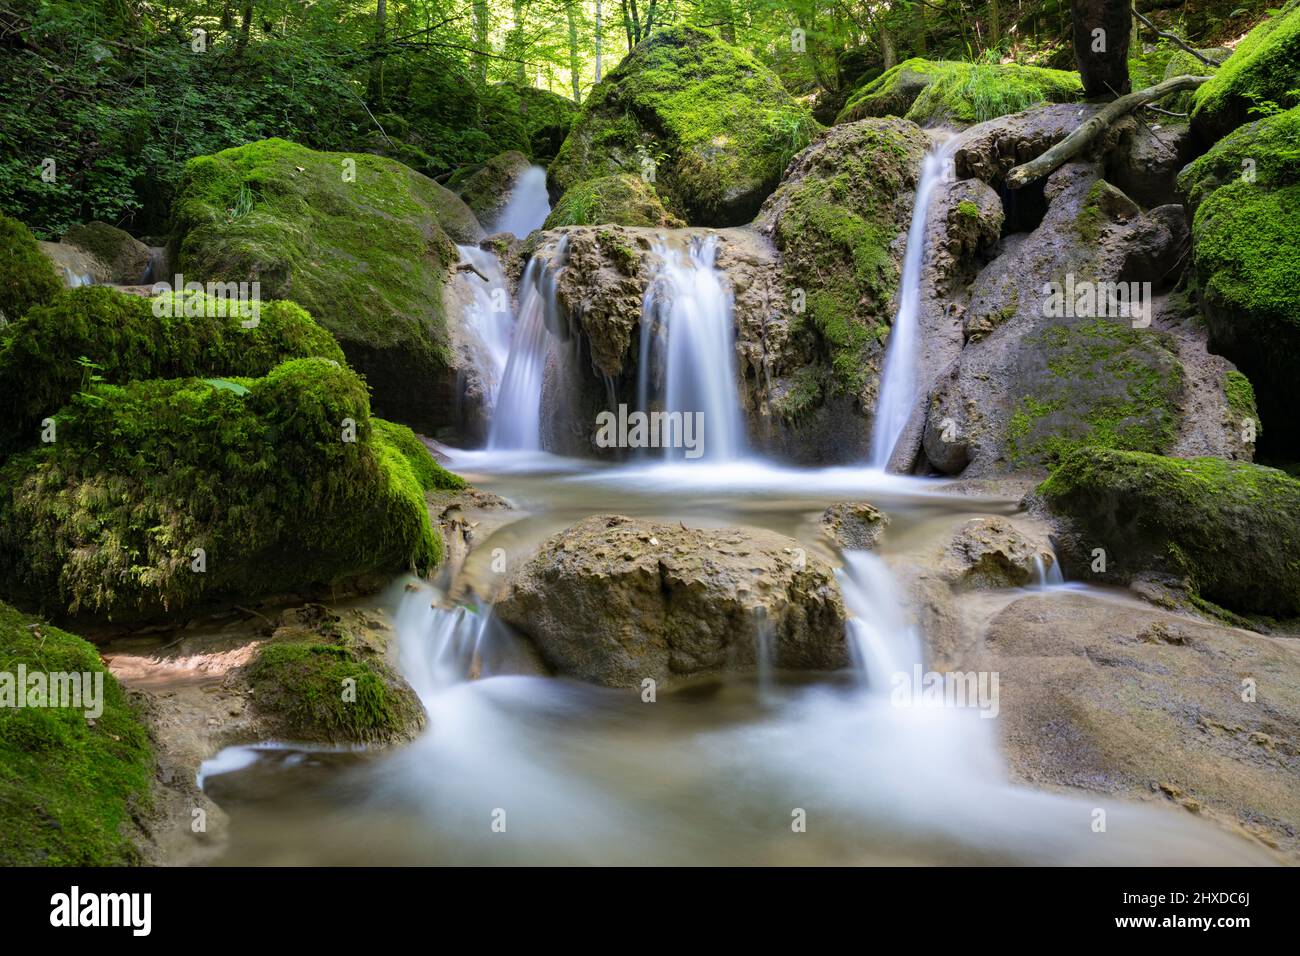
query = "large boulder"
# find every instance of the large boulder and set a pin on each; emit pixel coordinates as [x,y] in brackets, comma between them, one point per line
[126,257]
[616,600]
[951,92]
[1245,195]
[546,117]
[1264,68]
[837,221]
[1227,532]
[362,242]
[715,125]
[624,200]
[165,494]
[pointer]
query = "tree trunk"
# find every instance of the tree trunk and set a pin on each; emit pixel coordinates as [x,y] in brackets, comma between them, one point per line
[481,39]
[920,28]
[575,73]
[521,68]
[1101,41]
[597,41]
[887,48]
[245,24]
[374,91]
[995,26]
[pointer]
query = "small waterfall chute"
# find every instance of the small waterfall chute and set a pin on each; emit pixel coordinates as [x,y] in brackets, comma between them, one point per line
[882,642]
[528,205]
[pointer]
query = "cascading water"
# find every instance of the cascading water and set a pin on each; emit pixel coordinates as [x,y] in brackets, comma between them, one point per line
[528,205]
[488,316]
[881,641]
[898,382]
[687,334]
[516,418]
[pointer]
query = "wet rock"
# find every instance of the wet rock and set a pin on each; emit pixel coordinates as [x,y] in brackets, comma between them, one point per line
[624,200]
[125,258]
[991,552]
[616,600]
[854,525]
[1147,158]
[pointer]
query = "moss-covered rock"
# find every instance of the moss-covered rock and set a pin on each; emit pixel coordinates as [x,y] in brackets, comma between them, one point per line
[362,242]
[623,200]
[1246,260]
[716,126]
[126,258]
[1230,531]
[953,92]
[71,788]
[836,220]
[1264,69]
[93,334]
[1182,63]
[545,117]
[27,277]
[339,690]
[163,494]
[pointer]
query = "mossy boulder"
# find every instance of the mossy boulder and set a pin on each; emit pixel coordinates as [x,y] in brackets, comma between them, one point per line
[27,278]
[1227,531]
[360,241]
[71,788]
[165,494]
[950,92]
[1246,260]
[1183,63]
[100,334]
[623,200]
[125,257]
[1263,69]
[545,117]
[836,221]
[714,124]
[331,686]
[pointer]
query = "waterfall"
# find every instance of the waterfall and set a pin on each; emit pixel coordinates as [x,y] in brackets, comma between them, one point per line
[528,205]
[516,417]
[488,317]
[1049,575]
[898,382]
[687,333]
[881,640]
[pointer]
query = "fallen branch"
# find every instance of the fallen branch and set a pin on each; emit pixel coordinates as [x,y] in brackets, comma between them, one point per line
[470,267]
[1177,41]
[1091,128]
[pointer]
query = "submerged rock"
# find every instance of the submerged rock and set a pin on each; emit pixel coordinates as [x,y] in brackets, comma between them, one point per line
[362,242]
[714,125]
[616,600]
[1225,531]
[854,525]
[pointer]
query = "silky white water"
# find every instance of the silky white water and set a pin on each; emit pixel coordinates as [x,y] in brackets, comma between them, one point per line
[688,352]
[898,380]
[527,207]
[489,318]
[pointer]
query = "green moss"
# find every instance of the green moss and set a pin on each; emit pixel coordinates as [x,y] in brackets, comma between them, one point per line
[1231,530]
[1240,396]
[1263,69]
[1104,384]
[330,693]
[718,126]
[968,209]
[624,200]
[803,395]
[367,257]
[545,117]
[952,91]
[1266,152]
[259,473]
[69,789]
[27,277]
[99,334]
[430,475]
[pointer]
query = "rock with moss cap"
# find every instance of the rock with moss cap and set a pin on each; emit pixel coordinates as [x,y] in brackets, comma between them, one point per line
[126,257]
[716,125]
[72,790]
[545,117]
[360,241]
[100,334]
[1263,69]
[27,278]
[616,600]
[952,92]
[836,222]
[1246,259]
[167,494]
[1227,531]
[625,200]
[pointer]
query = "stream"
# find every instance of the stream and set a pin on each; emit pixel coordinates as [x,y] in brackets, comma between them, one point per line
[761,767]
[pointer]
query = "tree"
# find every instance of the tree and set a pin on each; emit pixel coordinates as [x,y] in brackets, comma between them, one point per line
[1102,30]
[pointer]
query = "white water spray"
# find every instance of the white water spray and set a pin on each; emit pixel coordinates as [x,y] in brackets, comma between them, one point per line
[687,332]
[898,382]
[528,205]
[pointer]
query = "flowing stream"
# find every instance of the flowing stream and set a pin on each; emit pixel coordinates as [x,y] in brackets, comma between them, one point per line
[738,768]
